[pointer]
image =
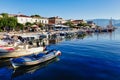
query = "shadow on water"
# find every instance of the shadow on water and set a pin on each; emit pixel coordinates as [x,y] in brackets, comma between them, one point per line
[31,69]
[5,62]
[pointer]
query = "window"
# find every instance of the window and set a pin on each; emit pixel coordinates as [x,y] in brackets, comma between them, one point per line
[21,19]
[45,22]
[42,21]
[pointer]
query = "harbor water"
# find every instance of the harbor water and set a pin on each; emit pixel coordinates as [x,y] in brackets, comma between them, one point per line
[94,57]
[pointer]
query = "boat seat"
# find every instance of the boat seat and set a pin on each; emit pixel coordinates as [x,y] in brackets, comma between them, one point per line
[38,56]
[28,58]
[51,51]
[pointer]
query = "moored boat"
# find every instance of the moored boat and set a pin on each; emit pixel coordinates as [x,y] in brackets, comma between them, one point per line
[34,59]
[31,69]
[9,52]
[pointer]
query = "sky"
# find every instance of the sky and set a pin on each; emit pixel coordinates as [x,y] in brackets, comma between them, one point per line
[67,9]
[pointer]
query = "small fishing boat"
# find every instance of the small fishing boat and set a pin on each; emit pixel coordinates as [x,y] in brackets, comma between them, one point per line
[31,69]
[34,59]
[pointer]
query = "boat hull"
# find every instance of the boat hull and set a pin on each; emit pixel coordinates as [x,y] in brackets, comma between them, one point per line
[21,52]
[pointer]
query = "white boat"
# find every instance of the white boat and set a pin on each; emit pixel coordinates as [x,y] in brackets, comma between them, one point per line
[34,59]
[31,69]
[20,52]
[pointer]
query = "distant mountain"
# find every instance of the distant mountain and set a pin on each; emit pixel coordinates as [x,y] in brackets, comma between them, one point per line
[105,22]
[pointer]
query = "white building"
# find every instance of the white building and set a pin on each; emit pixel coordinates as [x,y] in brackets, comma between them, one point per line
[24,19]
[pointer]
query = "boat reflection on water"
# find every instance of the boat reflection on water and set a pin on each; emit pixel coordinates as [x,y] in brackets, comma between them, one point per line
[31,69]
[57,39]
[5,62]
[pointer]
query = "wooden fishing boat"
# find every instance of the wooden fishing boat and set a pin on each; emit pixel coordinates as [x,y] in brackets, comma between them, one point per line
[34,59]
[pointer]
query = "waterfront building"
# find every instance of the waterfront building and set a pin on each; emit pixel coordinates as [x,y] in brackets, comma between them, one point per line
[56,20]
[43,20]
[76,22]
[92,24]
[24,19]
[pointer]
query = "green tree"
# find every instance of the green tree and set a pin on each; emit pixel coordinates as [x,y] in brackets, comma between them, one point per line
[1,22]
[82,25]
[4,22]
[8,23]
[4,14]
[69,23]
[12,22]
[19,26]
[28,24]
[40,25]
[38,16]
[1,25]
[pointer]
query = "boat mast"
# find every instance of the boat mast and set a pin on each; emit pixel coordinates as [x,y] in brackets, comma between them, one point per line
[110,23]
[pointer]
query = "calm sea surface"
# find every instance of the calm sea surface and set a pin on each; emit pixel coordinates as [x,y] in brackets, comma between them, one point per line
[95,57]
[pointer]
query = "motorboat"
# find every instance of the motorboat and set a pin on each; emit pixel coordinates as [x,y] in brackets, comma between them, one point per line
[9,52]
[34,59]
[19,47]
